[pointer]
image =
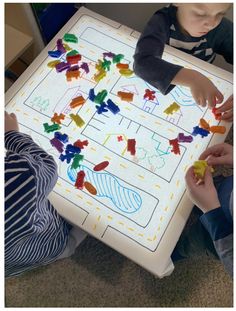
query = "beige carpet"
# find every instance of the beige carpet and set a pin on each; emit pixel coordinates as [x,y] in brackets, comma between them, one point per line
[97,276]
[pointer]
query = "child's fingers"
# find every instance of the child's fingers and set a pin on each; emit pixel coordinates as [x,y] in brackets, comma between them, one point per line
[208,180]
[227,116]
[197,100]
[228,105]
[202,102]
[10,116]
[190,177]
[214,161]
[211,102]
[208,152]
[219,97]
[215,150]
[13,115]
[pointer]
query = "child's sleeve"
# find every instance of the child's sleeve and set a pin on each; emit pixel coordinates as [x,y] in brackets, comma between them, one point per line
[148,62]
[221,232]
[224,40]
[42,164]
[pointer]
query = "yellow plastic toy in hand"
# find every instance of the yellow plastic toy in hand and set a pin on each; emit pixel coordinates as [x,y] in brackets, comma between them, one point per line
[199,168]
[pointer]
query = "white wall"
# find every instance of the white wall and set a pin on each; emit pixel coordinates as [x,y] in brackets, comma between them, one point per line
[136,15]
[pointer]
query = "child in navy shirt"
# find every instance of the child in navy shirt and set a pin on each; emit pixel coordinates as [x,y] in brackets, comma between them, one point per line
[35,234]
[199,29]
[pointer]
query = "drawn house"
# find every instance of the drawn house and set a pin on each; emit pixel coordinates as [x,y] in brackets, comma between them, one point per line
[175,117]
[149,106]
[63,105]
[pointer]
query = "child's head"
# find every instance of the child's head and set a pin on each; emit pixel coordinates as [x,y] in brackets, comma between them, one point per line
[197,19]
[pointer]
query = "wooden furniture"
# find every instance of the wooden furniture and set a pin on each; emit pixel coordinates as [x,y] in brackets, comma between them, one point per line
[16,43]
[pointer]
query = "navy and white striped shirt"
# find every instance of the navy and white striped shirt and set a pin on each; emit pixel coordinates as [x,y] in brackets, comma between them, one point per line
[163,28]
[35,234]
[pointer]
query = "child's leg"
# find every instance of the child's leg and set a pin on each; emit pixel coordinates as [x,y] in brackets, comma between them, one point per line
[195,241]
[224,186]
[75,238]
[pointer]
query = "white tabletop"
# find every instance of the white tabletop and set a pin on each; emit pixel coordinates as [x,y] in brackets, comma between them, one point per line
[147,230]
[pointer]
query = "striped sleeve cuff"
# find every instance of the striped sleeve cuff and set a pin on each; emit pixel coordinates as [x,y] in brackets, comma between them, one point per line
[14,139]
[216,224]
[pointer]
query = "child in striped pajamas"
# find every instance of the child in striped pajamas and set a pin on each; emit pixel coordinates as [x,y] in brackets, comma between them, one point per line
[35,234]
[198,29]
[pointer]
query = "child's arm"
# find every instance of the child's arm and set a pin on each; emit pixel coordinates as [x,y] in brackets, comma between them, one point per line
[21,144]
[203,90]
[148,62]
[204,196]
[149,65]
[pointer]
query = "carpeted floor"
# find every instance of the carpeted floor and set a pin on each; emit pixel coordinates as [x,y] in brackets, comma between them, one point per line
[97,276]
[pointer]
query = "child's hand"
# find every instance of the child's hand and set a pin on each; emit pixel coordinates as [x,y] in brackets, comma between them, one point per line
[220,154]
[227,109]
[203,194]
[11,123]
[204,91]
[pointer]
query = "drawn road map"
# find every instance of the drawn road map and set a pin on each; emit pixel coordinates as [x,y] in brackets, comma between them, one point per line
[137,195]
